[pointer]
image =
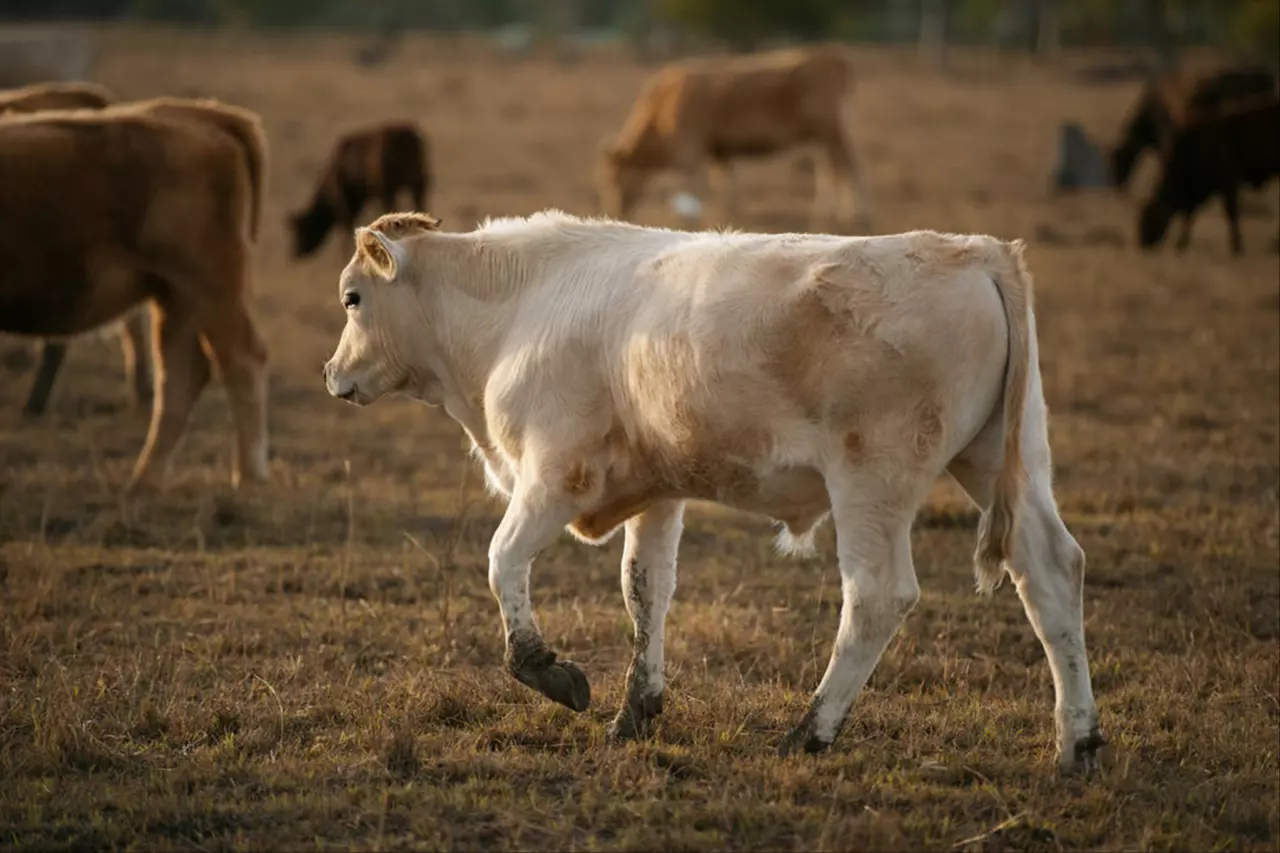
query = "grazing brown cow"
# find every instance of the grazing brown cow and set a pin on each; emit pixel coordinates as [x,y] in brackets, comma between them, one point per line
[699,115]
[372,162]
[1172,100]
[166,206]
[1214,156]
[133,331]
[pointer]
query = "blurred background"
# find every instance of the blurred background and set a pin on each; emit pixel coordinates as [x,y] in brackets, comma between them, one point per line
[652,27]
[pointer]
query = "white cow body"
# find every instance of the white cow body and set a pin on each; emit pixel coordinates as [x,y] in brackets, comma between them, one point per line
[606,373]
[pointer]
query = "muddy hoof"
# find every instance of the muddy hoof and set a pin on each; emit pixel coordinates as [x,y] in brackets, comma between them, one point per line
[635,719]
[1083,759]
[561,682]
[802,739]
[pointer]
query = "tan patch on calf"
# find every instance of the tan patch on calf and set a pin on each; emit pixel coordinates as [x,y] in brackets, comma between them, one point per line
[805,343]
[853,445]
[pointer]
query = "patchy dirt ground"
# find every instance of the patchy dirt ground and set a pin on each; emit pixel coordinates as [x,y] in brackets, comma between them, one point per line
[317,663]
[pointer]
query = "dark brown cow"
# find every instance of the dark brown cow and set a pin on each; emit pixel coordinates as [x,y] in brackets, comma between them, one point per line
[372,162]
[1172,100]
[166,206]
[133,330]
[1214,156]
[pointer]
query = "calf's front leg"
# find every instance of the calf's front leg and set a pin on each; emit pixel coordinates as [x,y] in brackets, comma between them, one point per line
[648,582]
[532,521]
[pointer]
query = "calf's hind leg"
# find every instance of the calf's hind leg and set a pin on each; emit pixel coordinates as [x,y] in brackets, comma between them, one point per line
[648,582]
[1048,570]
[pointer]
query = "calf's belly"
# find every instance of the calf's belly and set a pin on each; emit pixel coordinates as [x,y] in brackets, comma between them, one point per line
[795,496]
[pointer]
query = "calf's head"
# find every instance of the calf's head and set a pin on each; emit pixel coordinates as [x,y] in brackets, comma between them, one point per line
[380,299]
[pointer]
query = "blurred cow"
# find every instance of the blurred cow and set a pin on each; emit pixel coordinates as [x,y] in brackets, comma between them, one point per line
[1214,156]
[700,115]
[368,163]
[607,373]
[165,207]
[1173,99]
[54,96]
[133,330]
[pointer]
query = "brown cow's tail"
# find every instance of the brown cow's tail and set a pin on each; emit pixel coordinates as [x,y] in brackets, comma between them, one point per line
[997,529]
[242,125]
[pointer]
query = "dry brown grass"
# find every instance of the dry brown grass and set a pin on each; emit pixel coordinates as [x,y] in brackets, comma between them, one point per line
[317,664]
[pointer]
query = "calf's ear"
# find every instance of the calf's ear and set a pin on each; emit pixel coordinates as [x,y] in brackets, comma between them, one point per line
[379,253]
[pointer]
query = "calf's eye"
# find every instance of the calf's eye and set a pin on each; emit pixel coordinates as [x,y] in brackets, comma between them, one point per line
[350,299]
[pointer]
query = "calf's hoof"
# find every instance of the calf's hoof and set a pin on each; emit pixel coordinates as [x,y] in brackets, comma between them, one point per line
[635,719]
[560,681]
[1082,758]
[803,739]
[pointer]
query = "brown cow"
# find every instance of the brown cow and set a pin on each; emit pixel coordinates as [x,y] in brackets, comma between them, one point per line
[133,331]
[166,206]
[699,115]
[1214,156]
[54,96]
[371,162]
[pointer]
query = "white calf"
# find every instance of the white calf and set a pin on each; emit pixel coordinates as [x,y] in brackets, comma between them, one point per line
[606,373]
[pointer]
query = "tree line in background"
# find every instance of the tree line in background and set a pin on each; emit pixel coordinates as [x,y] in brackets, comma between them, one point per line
[1245,26]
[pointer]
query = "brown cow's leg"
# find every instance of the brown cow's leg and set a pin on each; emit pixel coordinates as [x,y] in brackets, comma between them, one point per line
[52,354]
[241,357]
[133,343]
[852,199]
[694,169]
[823,175]
[723,186]
[389,200]
[1231,204]
[1184,239]
[181,373]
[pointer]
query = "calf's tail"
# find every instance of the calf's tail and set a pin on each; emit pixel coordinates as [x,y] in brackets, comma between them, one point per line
[997,529]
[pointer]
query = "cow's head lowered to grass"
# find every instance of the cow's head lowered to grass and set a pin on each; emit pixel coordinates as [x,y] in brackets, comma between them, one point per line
[380,298]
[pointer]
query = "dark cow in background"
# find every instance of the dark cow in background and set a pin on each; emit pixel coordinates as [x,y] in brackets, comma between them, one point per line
[1214,156]
[40,97]
[1174,99]
[372,162]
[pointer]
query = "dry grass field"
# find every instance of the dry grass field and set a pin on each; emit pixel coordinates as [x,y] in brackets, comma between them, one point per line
[317,663]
